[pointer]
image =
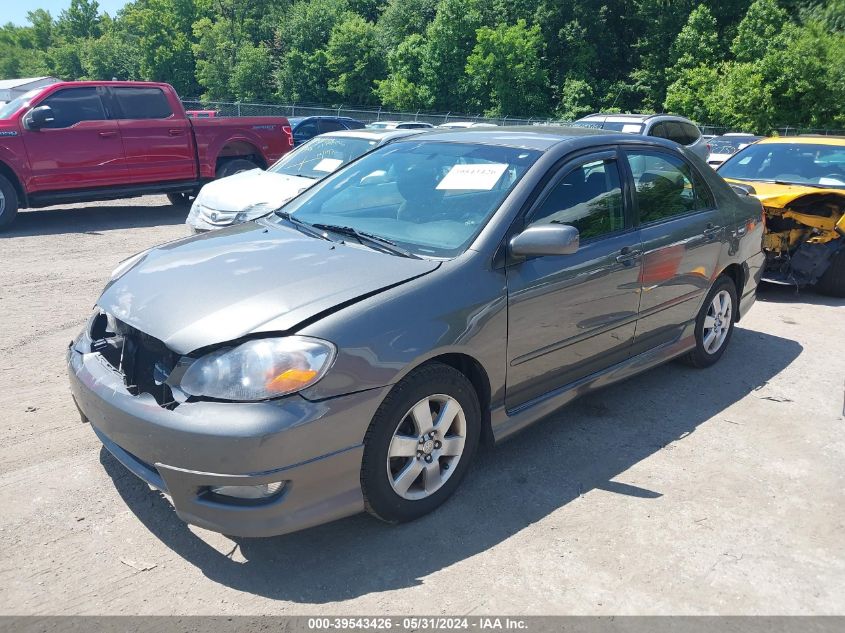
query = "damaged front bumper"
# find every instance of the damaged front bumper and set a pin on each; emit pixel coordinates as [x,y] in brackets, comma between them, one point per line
[309,451]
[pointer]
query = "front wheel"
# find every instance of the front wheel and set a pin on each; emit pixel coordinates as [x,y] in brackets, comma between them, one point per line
[8,202]
[832,281]
[714,324]
[181,199]
[420,443]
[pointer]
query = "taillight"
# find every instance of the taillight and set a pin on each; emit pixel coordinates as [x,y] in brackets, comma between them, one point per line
[709,149]
[288,133]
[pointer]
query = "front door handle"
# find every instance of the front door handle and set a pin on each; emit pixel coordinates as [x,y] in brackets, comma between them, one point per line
[712,231]
[107,134]
[628,255]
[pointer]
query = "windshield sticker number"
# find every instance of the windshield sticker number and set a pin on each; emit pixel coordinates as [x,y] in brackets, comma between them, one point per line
[328,164]
[477,177]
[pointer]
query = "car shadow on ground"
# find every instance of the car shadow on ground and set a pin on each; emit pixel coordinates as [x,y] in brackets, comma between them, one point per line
[92,219]
[582,447]
[777,293]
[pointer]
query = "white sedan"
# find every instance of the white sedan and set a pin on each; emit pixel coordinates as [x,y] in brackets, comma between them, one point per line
[251,194]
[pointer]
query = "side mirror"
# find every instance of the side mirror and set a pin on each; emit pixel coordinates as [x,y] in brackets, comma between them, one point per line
[742,190]
[39,117]
[547,239]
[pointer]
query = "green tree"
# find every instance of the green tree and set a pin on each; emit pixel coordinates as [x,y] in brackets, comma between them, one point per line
[577,99]
[451,39]
[301,41]
[759,30]
[697,43]
[506,71]
[110,56]
[402,18]
[402,88]
[356,59]
[252,76]
[80,20]
[42,28]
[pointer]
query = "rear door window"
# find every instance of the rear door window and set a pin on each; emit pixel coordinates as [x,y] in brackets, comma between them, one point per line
[666,186]
[142,103]
[74,105]
[691,134]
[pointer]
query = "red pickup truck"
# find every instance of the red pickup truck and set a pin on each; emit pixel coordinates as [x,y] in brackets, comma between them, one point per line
[100,140]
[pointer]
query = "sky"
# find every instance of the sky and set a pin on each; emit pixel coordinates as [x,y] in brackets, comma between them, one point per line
[15,11]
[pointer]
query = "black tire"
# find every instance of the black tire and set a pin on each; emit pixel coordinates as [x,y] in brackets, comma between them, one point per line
[8,204]
[701,357]
[234,166]
[832,281]
[380,497]
[182,199]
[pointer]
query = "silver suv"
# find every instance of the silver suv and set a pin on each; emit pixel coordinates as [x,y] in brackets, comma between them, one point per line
[669,126]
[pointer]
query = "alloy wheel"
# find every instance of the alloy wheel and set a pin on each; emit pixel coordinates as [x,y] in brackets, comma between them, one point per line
[426,447]
[717,323]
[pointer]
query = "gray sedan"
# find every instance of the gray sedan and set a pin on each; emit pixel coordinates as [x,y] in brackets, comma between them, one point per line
[351,351]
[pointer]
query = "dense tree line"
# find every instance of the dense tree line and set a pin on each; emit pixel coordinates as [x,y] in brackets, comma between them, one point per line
[752,65]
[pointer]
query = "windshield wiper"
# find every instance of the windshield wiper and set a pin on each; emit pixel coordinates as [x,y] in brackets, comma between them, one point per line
[380,243]
[306,228]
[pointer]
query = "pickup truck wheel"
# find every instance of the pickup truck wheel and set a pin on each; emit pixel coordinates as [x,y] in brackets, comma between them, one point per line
[8,202]
[179,199]
[420,443]
[832,281]
[234,166]
[714,324]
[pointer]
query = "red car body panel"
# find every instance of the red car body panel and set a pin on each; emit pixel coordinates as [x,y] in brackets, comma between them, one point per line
[124,153]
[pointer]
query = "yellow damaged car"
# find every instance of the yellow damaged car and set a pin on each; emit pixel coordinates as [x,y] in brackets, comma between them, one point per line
[801,182]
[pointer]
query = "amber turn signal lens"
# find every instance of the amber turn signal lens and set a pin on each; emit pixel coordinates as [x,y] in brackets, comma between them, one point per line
[291,380]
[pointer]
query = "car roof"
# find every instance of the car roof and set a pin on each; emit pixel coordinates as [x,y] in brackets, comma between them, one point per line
[622,117]
[837,141]
[536,137]
[370,134]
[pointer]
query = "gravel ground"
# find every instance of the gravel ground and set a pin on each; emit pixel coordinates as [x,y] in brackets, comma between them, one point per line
[719,491]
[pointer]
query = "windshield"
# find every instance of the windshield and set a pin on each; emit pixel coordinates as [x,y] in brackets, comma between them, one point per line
[432,199]
[614,126]
[321,156]
[14,105]
[794,163]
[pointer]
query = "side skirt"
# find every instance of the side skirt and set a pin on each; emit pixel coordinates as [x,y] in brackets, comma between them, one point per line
[505,423]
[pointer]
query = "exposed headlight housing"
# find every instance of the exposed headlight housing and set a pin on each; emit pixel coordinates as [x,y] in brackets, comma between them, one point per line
[259,369]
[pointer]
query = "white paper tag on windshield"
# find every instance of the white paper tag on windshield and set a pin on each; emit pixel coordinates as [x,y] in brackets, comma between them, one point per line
[479,177]
[328,164]
[632,128]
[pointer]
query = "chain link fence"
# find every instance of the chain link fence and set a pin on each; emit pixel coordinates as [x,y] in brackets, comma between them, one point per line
[372,114]
[361,113]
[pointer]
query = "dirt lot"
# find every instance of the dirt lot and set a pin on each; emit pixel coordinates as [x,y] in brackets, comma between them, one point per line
[679,491]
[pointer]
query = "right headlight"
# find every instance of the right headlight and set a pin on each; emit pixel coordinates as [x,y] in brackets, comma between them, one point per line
[259,369]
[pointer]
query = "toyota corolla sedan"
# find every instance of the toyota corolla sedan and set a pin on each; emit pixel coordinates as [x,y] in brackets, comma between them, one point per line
[351,351]
[248,195]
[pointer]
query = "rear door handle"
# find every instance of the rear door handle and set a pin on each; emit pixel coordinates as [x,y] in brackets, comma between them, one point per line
[107,134]
[628,255]
[175,132]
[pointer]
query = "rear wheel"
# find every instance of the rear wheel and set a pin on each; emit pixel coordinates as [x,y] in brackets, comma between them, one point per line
[714,324]
[234,166]
[832,282]
[8,202]
[420,443]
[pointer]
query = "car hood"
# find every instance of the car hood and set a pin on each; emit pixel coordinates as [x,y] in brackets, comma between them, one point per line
[250,278]
[771,194]
[253,187]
